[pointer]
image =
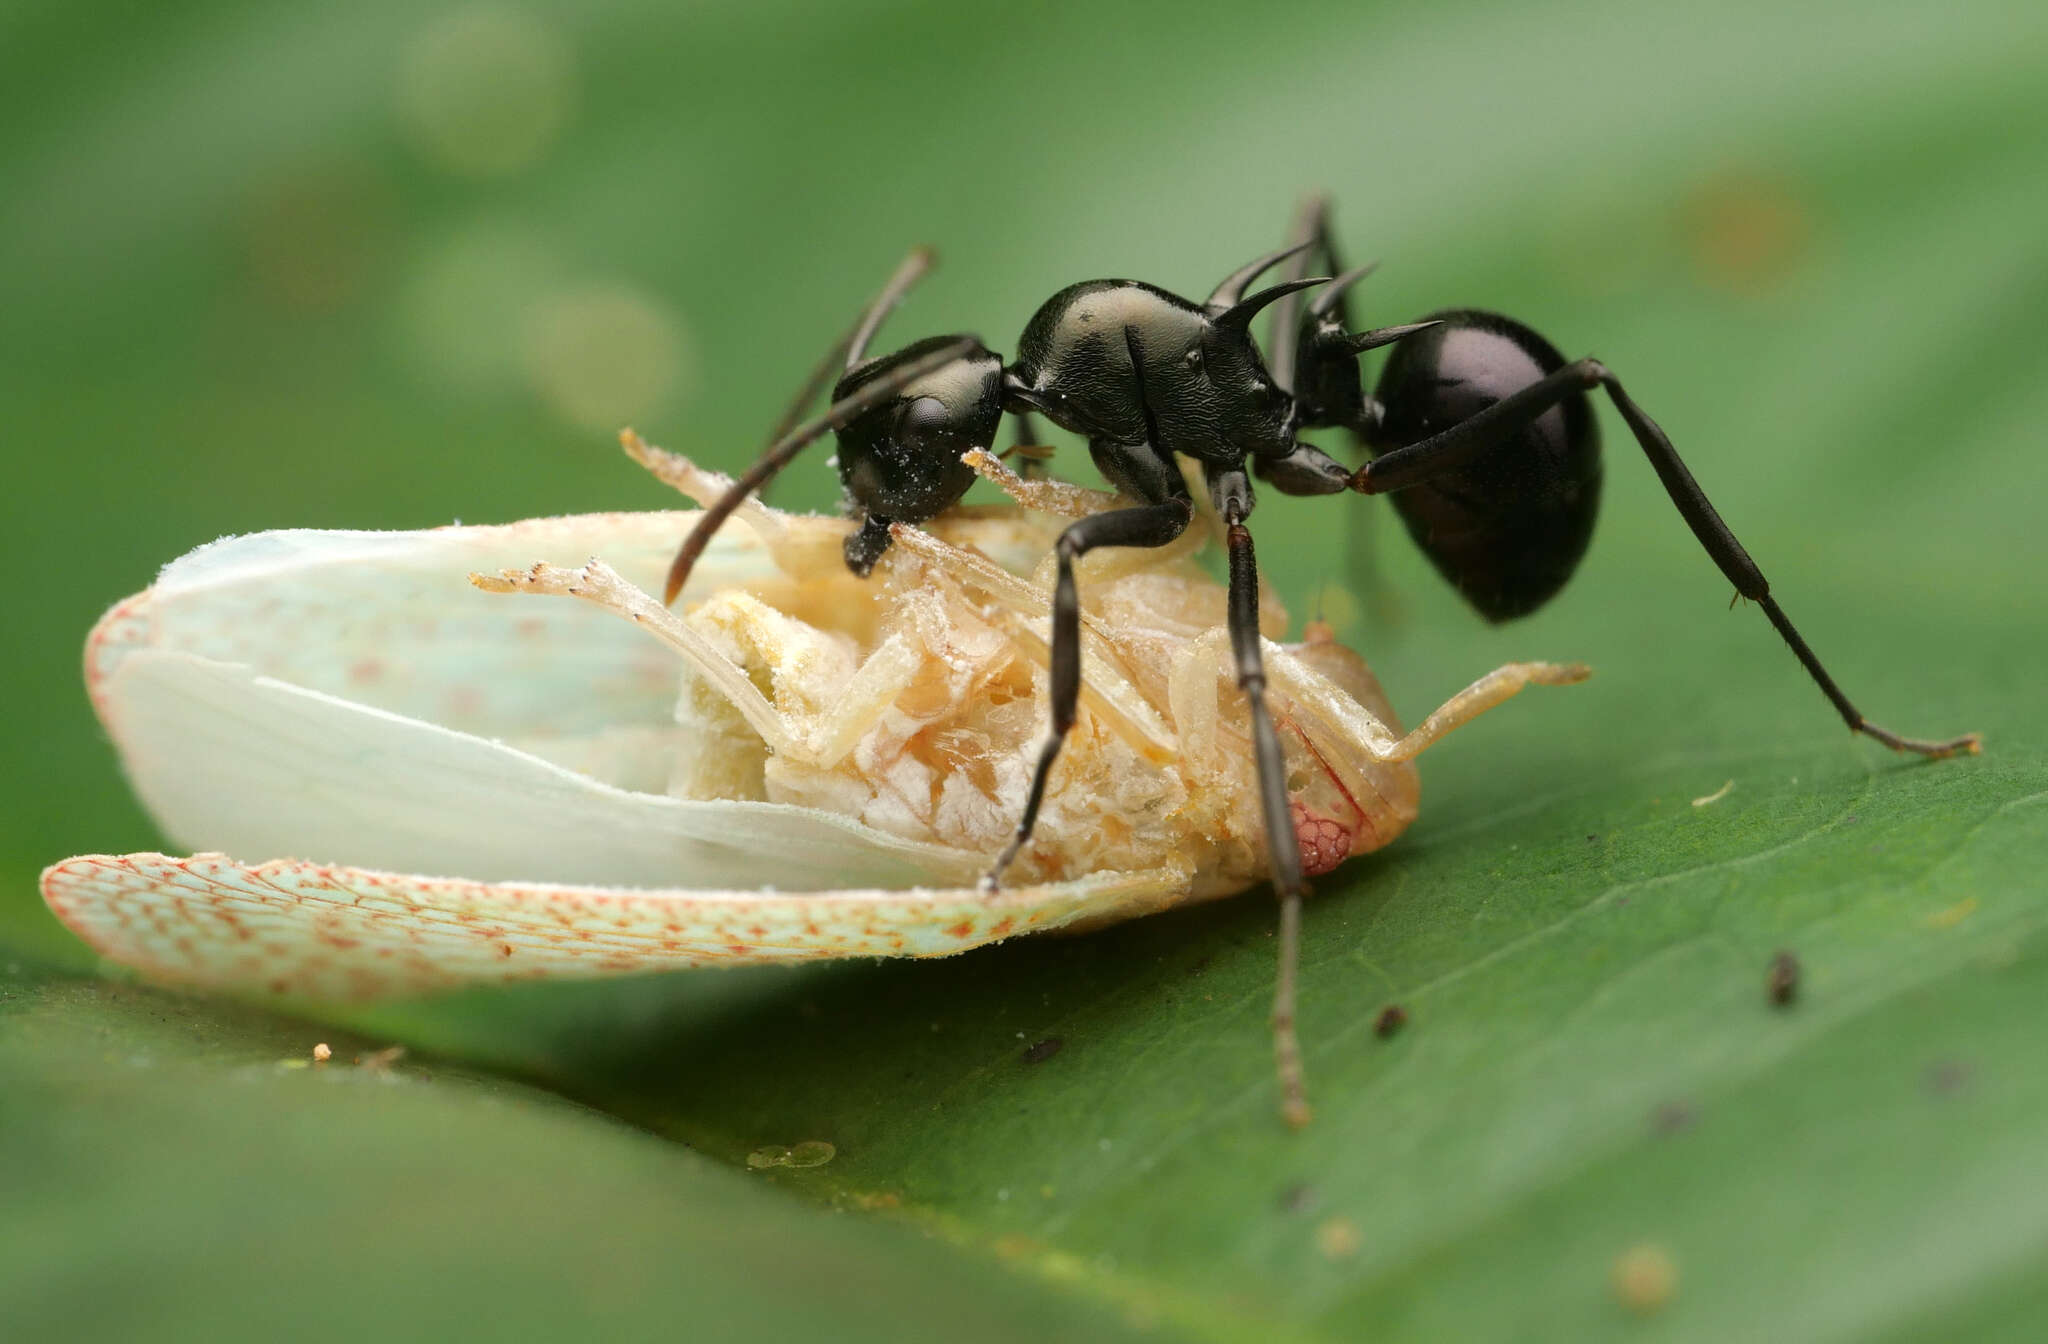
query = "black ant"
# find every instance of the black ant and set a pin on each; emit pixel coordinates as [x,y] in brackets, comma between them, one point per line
[1478,427]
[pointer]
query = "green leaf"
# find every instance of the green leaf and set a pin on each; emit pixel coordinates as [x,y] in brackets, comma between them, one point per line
[1811,240]
[1592,1063]
[181,1170]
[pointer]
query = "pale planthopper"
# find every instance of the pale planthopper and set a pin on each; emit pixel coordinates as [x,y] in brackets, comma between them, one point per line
[426,778]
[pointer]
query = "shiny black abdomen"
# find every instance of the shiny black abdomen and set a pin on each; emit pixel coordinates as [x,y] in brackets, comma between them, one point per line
[901,460]
[1510,528]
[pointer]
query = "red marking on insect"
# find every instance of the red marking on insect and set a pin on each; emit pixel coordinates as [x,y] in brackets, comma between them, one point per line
[1325,842]
[1327,838]
[126,626]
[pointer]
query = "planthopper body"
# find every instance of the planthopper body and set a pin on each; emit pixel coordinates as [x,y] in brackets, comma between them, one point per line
[413,761]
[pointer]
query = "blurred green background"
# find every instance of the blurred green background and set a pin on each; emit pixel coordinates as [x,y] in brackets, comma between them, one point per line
[390,265]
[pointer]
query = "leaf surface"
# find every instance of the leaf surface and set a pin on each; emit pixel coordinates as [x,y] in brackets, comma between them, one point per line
[1812,243]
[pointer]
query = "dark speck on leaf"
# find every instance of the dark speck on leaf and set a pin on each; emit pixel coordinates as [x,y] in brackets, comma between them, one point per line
[1040,1051]
[1298,1198]
[1391,1019]
[1946,1076]
[1782,982]
[1673,1117]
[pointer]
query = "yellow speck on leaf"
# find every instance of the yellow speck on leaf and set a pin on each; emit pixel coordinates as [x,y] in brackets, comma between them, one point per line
[1645,1278]
[1338,1238]
[1953,915]
[1716,796]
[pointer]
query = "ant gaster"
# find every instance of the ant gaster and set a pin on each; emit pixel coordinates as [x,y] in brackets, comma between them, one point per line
[1478,427]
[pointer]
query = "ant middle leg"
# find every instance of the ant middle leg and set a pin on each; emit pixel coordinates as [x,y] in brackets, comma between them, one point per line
[1139,470]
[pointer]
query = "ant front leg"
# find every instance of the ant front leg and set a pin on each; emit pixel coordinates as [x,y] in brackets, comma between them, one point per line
[1233,496]
[1138,470]
[1460,450]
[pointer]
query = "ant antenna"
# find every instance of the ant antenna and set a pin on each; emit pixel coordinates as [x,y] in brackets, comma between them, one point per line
[855,338]
[907,274]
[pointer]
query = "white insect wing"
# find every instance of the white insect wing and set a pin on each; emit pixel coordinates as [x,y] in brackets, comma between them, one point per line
[796,764]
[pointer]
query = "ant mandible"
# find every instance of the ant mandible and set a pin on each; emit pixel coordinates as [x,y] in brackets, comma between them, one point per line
[1480,430]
